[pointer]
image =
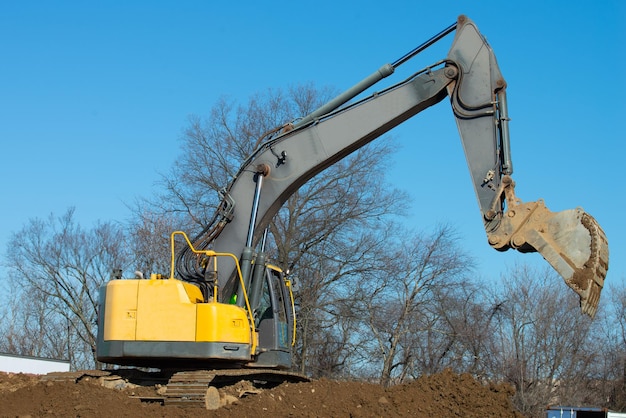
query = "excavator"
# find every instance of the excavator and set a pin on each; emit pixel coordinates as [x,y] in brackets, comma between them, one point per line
[226,312]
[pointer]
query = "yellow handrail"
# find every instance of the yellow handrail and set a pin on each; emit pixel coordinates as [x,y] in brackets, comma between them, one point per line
[211,253]
[293,311]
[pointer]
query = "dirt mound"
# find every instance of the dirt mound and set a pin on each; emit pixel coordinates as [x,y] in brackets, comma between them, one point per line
[442,395]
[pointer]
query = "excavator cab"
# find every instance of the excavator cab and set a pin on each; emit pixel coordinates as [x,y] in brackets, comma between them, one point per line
[275,319]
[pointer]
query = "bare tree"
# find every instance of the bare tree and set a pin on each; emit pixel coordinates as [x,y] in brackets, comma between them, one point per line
[326,319]
[149,235]
[64,265]
[214,147]
[542,343]
[465,318]
[27,327]
[619,395]
[398,303]
[607,385]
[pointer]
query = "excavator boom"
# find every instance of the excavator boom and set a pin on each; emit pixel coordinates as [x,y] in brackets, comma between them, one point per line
[470,76]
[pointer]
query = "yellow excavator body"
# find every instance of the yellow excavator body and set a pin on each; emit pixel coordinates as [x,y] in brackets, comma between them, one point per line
[170,310]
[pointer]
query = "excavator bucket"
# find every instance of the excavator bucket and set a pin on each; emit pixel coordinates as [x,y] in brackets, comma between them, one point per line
[575,245]
[571,241]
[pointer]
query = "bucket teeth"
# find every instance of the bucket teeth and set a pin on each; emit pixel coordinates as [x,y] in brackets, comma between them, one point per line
[588,280]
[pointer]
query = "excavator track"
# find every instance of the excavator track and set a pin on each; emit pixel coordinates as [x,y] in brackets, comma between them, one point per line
[191,388]
[198,388]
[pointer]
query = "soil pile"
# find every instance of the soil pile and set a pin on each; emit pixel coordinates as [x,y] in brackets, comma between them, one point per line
[441,395]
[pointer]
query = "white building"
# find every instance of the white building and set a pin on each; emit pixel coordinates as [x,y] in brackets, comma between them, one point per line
[36,365]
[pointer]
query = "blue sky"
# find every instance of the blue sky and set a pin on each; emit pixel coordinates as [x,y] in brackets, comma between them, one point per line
[94,97]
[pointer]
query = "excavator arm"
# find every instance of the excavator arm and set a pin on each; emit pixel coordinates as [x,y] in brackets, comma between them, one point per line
[571,241]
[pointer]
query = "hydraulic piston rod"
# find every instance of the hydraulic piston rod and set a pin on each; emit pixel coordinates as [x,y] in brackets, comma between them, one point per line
[423,46]
[384,71]
[255,209]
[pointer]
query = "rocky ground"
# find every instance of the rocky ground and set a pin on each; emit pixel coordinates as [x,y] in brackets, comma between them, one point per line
[442,395]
